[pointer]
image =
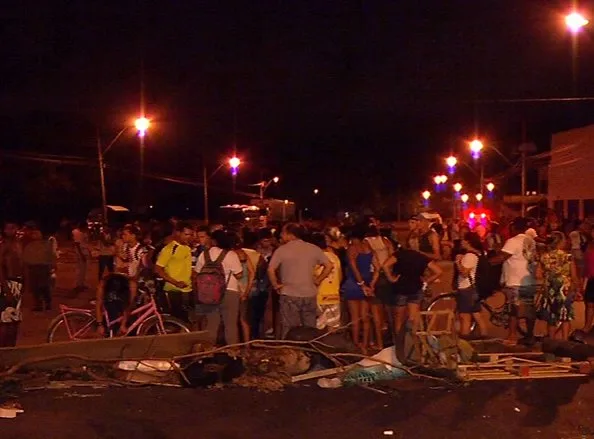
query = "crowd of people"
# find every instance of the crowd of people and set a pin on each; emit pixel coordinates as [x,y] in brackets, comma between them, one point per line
[366,277]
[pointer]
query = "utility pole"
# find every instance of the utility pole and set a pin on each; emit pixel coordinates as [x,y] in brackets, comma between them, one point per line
[205,187]
[102,176]
[525,148]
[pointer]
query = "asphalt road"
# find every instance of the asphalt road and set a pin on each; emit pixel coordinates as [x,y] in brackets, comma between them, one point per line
[537,409]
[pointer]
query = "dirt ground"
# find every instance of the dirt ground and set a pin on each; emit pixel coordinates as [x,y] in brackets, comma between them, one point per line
[536,409]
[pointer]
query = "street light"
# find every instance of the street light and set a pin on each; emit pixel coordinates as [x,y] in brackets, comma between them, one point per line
[142,125]
[233,163]
[451,162]
[476,146]
[426,195]
[464,198]
[458,187]
[316,191]
[490,187]
[575,22]
[479,197]
[263,185]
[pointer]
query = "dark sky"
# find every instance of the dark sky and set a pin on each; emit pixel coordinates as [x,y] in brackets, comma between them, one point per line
[340,95]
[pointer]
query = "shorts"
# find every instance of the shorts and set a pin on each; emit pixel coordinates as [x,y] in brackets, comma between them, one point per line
[589,291]
[520,295]
[468,301]
[409,299]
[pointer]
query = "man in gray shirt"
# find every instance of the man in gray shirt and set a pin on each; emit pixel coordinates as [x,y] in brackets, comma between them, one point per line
[296,262]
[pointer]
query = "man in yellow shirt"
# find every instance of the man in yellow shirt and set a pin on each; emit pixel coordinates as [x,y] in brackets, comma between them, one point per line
[174,266]
[329,288]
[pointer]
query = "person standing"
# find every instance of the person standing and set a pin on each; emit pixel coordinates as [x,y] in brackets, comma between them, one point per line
[296,261]
[518,256]
[228,309]
[406,269]
[39,259]
[11,285]
[80,236]
[468,303]
[107,252]
[557,270]
[429,240]
[174,266]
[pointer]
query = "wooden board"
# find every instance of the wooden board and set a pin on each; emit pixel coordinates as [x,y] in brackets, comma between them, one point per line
[142,347]
[506,366]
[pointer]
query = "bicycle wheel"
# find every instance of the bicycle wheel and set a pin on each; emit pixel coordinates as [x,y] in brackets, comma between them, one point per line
[172,325]
[70,326]
[447,302]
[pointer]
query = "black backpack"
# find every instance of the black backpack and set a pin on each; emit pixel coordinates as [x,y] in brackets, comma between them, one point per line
[485,280]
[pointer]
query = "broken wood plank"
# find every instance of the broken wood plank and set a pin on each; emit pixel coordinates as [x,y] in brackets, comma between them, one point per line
[120,348]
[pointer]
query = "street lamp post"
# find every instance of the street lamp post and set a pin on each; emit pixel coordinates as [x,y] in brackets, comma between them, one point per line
[142,125]
[575,22]
[233,163]
[263,185]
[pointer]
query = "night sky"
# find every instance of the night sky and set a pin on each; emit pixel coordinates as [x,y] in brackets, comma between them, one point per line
[349,97]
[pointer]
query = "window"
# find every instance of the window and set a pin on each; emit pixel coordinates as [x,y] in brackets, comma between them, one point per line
[588,208]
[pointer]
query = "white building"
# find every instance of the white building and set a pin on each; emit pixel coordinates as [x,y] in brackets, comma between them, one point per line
[571,173]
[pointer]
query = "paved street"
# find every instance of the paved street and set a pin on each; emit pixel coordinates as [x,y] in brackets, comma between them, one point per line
[538,409]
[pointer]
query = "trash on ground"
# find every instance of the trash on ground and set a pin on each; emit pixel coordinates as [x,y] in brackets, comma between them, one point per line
[10,410]
[330,383]
[147,365]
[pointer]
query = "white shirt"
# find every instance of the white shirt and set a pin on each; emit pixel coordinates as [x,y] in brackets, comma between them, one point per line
[517,268]
[134,258]
[231,265]
[469,261]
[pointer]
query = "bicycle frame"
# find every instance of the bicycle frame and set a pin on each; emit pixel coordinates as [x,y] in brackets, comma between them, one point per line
[144,312]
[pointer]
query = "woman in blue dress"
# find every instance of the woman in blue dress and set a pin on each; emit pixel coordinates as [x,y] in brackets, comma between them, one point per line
[358,287]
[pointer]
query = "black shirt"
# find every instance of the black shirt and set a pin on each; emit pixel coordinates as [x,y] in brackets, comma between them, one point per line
[411,266]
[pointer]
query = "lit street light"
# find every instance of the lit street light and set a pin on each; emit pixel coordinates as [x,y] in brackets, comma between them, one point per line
[142,125]
[479,197]
[233,163]
[457,187]
[464,198]
[426,195]
[490,187]
[263,185]
[451,162]
[316,191]
[476,146]
[575,22]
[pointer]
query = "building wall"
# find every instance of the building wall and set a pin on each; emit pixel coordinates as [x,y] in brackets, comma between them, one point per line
[571,172]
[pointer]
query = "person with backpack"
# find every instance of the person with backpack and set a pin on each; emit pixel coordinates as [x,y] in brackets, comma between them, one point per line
[468,278]
[216,284]
[174,266]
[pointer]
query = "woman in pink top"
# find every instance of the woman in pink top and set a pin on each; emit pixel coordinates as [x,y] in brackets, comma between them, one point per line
[589,286]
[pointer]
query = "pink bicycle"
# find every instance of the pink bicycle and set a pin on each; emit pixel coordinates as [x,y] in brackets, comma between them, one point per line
[78,324]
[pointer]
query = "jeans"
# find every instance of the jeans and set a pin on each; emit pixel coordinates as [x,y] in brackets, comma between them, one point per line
[257,303]
[228,310]
[105,263]
[296,311]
